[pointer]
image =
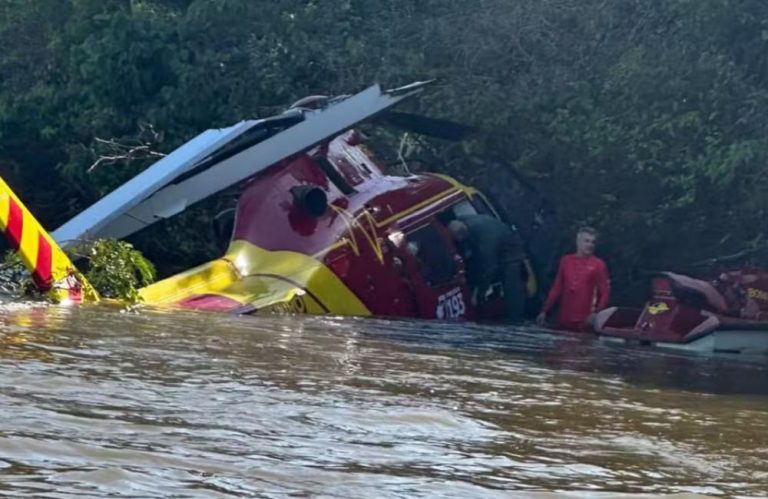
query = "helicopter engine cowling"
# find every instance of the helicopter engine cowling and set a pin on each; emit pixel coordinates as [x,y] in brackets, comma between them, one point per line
[310,199]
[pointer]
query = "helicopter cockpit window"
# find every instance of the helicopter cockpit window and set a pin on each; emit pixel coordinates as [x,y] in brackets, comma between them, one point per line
[461,209]
[432,254]
[481,206]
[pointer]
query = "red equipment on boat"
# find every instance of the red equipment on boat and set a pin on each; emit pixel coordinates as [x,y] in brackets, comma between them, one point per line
[728,314]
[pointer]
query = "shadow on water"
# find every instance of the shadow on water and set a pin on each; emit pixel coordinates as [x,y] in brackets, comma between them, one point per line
[716,373]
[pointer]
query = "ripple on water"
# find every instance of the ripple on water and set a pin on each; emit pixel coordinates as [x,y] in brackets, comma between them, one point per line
[156,404]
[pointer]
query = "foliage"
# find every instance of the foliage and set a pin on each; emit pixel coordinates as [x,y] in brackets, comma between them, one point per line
[646,118]
[15,279]
[117,270]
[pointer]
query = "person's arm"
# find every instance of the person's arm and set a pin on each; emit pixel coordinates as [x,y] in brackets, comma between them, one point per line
[603,287]
[556,290]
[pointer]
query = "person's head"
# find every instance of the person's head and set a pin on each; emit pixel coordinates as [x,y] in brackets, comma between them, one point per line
[586,238]
[458,230]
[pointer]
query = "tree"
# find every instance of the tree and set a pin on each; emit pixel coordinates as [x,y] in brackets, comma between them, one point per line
[645,118]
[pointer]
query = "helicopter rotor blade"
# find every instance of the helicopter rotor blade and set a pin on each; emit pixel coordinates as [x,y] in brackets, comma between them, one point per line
[434,127]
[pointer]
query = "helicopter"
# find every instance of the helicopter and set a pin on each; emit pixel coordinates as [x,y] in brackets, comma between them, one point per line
[320,226]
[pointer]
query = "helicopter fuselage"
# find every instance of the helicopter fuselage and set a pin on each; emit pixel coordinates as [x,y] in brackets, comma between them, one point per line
[327,231]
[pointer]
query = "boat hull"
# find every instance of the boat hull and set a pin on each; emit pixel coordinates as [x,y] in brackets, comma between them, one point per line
[719,341]
[702,331]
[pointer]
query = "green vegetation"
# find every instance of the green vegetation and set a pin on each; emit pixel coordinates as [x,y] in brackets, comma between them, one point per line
[15,279]
[115,269]
[648,119]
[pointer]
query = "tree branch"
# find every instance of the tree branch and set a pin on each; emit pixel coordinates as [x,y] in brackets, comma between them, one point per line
[114,151]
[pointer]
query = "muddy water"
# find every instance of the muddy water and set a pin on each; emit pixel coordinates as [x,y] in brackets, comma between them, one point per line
[95,402]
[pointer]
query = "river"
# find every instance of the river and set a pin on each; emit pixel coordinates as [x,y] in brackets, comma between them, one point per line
[97,402]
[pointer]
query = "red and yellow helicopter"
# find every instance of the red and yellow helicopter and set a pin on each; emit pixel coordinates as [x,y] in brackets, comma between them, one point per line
[319,227]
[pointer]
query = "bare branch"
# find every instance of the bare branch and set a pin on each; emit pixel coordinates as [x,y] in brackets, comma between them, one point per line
[113,151]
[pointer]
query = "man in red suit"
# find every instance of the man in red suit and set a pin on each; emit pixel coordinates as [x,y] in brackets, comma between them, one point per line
[581,286]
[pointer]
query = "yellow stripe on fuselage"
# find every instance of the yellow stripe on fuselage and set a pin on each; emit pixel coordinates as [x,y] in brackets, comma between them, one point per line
[210,277]
[393,218]
[263,279]
[416,207]
[302,270]
[532,284]
[284,281]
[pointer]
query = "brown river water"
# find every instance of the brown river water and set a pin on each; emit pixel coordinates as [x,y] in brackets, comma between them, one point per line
[95,402]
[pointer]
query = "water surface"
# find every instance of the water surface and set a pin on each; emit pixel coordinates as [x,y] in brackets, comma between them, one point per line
[98,402]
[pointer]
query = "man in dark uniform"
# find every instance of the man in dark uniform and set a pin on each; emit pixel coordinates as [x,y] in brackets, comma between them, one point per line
[495,251]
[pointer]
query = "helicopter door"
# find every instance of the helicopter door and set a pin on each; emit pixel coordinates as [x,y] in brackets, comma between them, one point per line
[437,273]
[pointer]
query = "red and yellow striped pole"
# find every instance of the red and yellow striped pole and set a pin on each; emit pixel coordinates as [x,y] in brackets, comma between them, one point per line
[52,271]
